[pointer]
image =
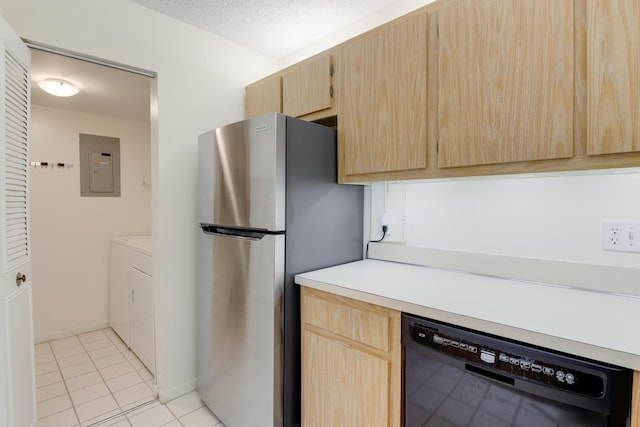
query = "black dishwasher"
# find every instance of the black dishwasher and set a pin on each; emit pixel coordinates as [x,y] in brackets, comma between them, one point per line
[458,377]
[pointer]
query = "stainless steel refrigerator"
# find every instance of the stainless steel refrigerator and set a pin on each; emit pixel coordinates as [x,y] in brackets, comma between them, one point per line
[269,208]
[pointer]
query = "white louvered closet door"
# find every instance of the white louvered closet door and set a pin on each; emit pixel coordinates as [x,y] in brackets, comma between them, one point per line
[17,399]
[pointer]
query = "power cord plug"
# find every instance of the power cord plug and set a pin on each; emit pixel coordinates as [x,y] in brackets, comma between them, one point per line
[384,233]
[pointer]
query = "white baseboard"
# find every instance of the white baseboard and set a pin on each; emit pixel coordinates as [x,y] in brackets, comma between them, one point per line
[69,332]
[165,395]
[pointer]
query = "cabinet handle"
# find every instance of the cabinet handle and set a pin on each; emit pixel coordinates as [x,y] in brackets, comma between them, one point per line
[20,279]
[133,296]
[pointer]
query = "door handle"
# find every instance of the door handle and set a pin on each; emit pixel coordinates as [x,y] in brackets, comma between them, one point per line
[20,279]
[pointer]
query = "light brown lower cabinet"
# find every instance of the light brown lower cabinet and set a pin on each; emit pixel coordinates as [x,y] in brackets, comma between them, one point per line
[351,362]
[635,400]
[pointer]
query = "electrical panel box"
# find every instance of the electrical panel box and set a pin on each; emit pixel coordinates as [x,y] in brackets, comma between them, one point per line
[99,166]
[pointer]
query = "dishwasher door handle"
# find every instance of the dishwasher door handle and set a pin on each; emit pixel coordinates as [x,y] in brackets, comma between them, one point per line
[489,374]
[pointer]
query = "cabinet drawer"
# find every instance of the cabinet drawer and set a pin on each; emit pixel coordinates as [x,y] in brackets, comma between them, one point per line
[351,319]
[140,261]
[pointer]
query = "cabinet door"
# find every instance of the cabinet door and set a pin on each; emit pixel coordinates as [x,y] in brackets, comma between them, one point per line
[307,87]
[382,99]
[343,386]
[119,291]
[505,81]
[142,342]
[613,89]
[635,400]
[351,362]
[264,96]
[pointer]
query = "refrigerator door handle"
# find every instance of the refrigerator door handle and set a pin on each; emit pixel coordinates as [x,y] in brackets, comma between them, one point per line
[234,233]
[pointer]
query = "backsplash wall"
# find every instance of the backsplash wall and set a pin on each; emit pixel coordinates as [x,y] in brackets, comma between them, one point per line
[545,216]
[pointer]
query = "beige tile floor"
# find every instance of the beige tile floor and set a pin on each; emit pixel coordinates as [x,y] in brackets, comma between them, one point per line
[93,379]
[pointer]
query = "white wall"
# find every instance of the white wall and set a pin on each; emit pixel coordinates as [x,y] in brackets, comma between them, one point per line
[546,216]
[200,86]
[71,234]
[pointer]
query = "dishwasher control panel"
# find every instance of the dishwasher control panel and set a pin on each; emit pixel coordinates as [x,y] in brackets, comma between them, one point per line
[511,361]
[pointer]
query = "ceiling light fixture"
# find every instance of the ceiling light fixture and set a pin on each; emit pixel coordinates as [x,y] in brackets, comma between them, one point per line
[58,87]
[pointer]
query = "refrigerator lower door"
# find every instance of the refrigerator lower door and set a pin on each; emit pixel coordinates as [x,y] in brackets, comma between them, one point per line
[239,327]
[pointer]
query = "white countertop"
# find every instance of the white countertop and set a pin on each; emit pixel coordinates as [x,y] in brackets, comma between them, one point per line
[139,243]
[596,325]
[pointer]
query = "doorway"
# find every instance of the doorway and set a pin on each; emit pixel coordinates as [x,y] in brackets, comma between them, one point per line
[71,235]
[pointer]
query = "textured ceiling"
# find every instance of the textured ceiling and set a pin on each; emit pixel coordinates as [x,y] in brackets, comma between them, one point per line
[276,28]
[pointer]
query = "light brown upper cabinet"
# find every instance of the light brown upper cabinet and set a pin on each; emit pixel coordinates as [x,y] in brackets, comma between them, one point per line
[506,81]
[307,88]
[264,96]
[613,76]
[381,81]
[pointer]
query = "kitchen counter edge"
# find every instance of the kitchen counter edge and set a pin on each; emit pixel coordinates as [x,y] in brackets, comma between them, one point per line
[585,323]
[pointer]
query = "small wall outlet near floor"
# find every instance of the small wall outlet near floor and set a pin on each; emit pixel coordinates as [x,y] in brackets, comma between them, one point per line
[621,236]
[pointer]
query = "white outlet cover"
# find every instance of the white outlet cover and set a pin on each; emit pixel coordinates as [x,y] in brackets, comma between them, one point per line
[621,236]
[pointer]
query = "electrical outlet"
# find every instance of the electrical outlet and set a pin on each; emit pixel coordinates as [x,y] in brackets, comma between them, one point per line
[621,236]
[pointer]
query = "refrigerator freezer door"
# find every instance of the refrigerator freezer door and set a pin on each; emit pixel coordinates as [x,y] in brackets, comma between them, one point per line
[241,174]
[240,297]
